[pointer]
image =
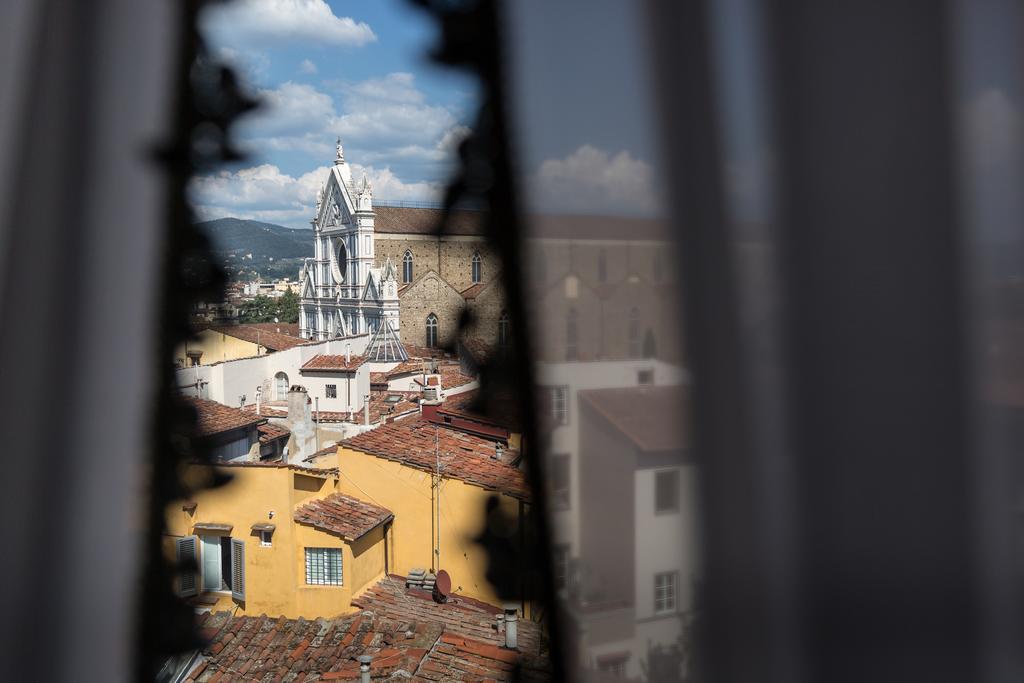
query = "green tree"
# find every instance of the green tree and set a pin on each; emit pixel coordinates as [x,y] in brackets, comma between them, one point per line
[263,309]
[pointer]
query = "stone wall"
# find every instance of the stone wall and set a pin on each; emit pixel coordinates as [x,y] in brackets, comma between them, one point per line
[430,294]
[448,257]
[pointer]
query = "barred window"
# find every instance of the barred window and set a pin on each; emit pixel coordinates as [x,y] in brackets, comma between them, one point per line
[332,391]
[323,566]
[665,592]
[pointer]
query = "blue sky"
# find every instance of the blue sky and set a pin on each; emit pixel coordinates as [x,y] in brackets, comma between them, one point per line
[356,68]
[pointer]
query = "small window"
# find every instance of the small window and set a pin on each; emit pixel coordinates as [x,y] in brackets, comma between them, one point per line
[407,267]
[571,336]
[476,268]
[560,480]
[561,562]
[323,566]
[666,491]
[331,391]
[665,592]
[560,405]
[280,386]
[634,333]
[503,331]
[266,539]
[431,331]
[645,377]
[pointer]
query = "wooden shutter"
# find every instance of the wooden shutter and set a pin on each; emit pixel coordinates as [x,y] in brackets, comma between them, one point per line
[238,569]
[187,553]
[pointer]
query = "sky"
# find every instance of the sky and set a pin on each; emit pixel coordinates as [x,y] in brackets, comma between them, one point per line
[356,69]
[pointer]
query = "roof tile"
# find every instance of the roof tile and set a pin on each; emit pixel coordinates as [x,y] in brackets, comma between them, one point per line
[343,515]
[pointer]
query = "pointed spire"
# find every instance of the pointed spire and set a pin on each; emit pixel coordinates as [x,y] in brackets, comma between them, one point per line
[340,157]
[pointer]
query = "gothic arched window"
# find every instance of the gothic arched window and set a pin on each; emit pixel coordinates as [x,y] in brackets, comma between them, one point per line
[571,336]
[280,386]
[407,267]
[476,268]
[634,333]
[431,331]
[504,330]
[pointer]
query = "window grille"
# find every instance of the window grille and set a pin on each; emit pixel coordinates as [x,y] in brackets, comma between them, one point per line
[331,391]
[323,566]
[665,592]
[560,405]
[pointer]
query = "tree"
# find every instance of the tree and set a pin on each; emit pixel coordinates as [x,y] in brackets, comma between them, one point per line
[263,309]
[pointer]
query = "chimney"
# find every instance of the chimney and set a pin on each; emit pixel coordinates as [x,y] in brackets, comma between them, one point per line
[511,627]
[364,668]
[300,424]
[366,410]
[348,353]
[497,450]
[500,624]
[259,397]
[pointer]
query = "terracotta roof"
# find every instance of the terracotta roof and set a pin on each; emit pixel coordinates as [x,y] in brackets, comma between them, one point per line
[420,352]
[258,333]
[498,408]
[343,515]
[216,418]
[291,329]
[477,350]
[472,292]
[452,376]
[417,221]
[323,362]
[378,378]
[400,403]
[462,616]
[654,418]
[270,432]
[463,456]
[311,471]
[406,367]
[408,636]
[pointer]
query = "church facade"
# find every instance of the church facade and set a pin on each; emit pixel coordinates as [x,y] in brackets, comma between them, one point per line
[384,264]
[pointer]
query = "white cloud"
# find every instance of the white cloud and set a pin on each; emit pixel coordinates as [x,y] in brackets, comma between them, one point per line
[264,193]
[307,67]
[307,21]
[591,180]
[993,129]
[384,122]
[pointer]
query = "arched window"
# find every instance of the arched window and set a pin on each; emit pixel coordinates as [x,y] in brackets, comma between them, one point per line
[571,336]
[431,331]
[280,386]
[602,266]
[476,268]
[407,267]
[504,330]
[634,333]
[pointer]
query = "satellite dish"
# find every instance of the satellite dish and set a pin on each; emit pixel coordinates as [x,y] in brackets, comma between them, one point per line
[442,586]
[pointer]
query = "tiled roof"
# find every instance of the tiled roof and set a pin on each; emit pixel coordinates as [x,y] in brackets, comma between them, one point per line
[472,292]
[477,349]
[379,408]
[378,378]
[405,368]
[382,408]
[417,221]
[216,418]
[408,636]
[452,376]
[425,352]
[311,471]
[271,432]
[463,456]
[496,407]
[654,418]
[291,329]
[260,333]
[343,515]
[323,362]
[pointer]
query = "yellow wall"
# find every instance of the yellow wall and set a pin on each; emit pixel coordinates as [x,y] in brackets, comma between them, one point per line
[406,491]
[217,347]
[276,576]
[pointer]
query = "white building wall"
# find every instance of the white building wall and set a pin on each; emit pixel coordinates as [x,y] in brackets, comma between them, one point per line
[581,376]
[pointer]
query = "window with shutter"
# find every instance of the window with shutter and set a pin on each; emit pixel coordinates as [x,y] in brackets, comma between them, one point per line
[187,552]
[238,569]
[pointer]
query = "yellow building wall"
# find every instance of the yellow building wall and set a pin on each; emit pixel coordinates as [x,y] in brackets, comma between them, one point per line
[275,577]
[217,347]
[406,491]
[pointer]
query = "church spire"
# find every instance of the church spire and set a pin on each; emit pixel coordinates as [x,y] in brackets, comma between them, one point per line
[339,159]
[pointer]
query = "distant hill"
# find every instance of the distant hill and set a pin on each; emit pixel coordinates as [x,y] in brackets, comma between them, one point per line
[265,241]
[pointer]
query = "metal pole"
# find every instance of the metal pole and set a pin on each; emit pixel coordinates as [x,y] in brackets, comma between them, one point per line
[316,421]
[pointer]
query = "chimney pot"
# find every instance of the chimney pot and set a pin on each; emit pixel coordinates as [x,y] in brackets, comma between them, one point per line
[364,668]
[511,628]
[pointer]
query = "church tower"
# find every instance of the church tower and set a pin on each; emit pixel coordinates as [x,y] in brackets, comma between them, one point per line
[343,293]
